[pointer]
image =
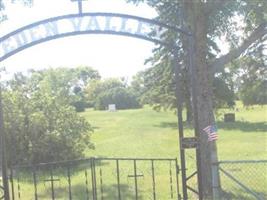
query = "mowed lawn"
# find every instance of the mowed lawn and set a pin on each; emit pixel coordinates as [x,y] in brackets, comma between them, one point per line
[147,133]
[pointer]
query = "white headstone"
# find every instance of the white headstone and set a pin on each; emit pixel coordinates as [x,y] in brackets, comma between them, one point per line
[112,107]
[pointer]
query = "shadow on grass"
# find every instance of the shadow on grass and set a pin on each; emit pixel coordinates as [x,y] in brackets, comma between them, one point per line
[226,195]
[95,127]
[238,125]
[42,174]
[243,126]
[79,192]
[173,125]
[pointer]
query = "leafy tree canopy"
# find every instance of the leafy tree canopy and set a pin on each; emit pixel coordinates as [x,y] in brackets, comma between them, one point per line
[67,83]
[250,79]
[40,124]
[101,93]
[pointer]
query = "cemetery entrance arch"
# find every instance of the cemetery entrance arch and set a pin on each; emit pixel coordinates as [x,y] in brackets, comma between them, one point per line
[105,23]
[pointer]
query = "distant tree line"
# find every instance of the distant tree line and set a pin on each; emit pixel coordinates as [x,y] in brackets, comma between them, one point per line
[101,93]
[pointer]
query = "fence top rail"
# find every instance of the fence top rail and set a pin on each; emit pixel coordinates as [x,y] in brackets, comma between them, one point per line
[92,159]
[138,159]
[240,161]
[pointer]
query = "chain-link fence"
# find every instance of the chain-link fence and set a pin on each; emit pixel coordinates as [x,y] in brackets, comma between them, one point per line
[243,179]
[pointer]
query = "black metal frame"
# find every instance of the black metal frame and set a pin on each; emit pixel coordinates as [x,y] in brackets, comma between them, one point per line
[82,32]
[96,180]
[173,48]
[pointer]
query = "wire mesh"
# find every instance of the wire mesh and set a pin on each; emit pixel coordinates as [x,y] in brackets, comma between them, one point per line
[243,179]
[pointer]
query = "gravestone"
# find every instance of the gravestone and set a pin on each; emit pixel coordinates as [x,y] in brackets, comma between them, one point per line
[112,107]
[229,117]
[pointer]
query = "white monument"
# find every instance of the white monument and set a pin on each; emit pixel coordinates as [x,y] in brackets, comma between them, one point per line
[112,107]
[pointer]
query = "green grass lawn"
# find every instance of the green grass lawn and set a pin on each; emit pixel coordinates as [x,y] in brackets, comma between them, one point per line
[145,133]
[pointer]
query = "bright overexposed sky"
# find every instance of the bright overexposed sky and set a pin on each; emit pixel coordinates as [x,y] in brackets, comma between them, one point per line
[112,56]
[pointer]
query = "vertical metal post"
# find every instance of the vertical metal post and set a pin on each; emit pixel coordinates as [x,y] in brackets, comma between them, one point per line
[3,155]
[171,182]
[86,183]
[135,181]
[153,180]
[95,181]
[193,73]
[52,183]
[80,7]
[101,184]
[35,183]
[18,181]
[118,179]
[179,99]
[12,184]
[69,182]
[177,179]
[93,174]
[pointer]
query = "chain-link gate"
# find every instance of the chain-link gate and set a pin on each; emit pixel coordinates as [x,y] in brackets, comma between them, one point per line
[246,179]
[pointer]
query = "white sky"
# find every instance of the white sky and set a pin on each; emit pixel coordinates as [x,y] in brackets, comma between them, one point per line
[112,56]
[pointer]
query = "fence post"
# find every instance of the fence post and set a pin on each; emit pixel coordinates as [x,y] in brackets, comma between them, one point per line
[215,181]
[3,153]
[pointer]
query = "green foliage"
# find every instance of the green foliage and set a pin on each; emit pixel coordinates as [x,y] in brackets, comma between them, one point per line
[96,87]
[79,105]
[41,126]
[101,93]
[84,74]
[250,76]
[223,91]
[68,83]
[254,94]
[155,87]
[229,18]
[119,96]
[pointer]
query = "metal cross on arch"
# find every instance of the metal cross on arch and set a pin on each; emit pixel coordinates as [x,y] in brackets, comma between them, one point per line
[80,5]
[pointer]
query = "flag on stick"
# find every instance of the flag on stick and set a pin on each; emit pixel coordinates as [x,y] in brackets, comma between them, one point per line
[212,132]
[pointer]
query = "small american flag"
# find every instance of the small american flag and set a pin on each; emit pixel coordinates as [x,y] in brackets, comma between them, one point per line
[212,132]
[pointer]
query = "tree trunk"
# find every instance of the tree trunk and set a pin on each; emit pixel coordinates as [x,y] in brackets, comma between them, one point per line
[189,113]
[197,20]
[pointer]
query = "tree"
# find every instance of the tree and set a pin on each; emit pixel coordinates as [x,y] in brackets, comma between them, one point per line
[85,74]
[251,77]
[209,20]
[156,86]
[101,93]
[40,125]
[119,96]
[69,83]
